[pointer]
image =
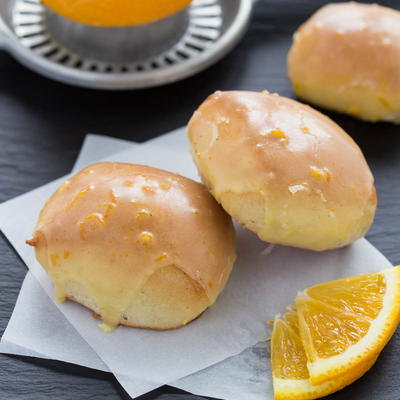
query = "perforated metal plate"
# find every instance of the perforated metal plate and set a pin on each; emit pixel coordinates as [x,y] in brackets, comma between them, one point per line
[46,43]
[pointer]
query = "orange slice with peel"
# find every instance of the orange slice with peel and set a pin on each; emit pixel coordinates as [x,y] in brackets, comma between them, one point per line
[347,322]
[289,365]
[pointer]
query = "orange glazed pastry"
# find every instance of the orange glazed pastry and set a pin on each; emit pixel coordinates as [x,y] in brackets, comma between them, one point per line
[137,245]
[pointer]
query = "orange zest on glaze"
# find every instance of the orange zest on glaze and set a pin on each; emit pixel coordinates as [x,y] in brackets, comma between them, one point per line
[143,214]
[82,230]
[55,259]
[148,189]
[96,217]
[79,196]
[110,206]
[321,173]
[128,184]
[145,238]
[278,133]
[161,257]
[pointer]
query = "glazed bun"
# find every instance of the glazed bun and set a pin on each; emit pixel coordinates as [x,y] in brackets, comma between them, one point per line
[346,57]
[137,245]
[283,170]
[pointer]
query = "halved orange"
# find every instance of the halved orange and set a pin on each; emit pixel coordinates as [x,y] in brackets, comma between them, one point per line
[289,365]
[116,12]
[347,322]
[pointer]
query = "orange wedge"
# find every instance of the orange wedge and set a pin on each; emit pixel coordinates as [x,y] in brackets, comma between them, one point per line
[346,323]
[289,365]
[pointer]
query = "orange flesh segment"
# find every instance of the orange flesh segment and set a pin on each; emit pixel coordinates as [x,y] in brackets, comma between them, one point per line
[360,295]
[288,357]
[329,332]
[338,314]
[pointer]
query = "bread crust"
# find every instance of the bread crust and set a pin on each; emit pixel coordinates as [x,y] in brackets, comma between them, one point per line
[283,170]
[131,240]
[346,57]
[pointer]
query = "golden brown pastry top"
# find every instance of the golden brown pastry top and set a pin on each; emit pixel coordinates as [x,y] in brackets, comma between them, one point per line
[299,167]
[113,225]
[350,46]
[291,145]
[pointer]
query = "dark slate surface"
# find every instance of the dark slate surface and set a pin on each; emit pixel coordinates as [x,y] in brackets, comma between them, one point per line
[42,126]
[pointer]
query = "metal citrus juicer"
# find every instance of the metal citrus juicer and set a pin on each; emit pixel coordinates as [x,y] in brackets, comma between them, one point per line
[122,57]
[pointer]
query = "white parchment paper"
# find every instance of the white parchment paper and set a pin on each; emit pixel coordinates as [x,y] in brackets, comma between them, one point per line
[245,376]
